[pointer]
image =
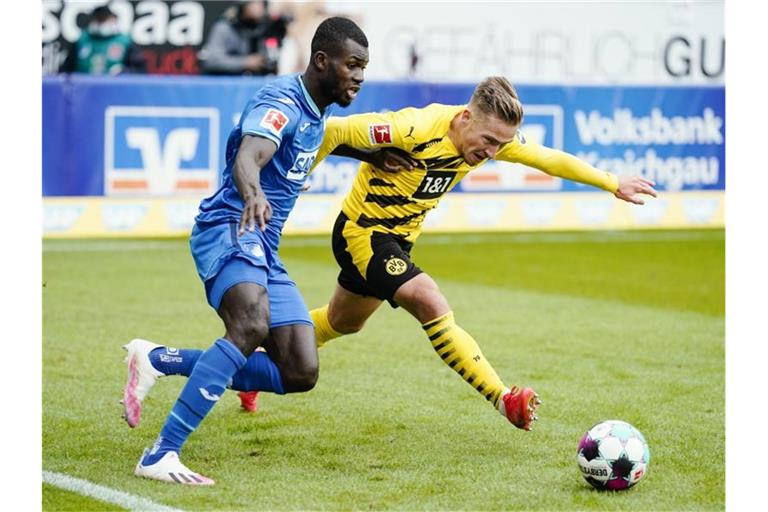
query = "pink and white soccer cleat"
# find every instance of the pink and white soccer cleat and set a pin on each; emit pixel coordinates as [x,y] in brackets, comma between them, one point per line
[519,407]
[249,400]
[170,469]
[141,377]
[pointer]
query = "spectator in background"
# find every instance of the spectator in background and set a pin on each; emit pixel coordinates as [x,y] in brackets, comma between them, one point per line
[307,16]
[103,49]
[246,41]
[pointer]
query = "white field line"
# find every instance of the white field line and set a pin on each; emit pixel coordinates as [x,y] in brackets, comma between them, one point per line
[560,238]
[432,239]
[113,245]
[101,493]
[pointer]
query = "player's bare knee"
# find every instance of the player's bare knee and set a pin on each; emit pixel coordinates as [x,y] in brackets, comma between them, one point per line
[256,331]
[245,312]
[437,305]
[345,322]
[346,326]
[423,299]
[301,378]
[248,329]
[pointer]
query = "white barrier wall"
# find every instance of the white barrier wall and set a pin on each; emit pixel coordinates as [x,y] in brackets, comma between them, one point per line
[314,214]
[578,42]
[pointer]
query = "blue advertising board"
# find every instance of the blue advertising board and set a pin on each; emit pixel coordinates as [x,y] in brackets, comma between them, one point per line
[160,135]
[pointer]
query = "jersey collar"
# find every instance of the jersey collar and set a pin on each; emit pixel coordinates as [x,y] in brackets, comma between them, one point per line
[309,99]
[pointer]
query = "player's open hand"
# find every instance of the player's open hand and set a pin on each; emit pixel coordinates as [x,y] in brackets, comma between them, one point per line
[393,160]
[630,188]
[257,212]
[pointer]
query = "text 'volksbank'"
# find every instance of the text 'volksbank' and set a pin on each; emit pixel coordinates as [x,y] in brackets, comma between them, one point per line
[624,128]
[688,167]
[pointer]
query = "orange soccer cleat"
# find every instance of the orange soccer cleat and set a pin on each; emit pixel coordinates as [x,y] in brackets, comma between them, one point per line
[519,407]
[249,400]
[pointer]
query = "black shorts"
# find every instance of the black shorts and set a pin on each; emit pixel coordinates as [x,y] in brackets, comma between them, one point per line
[373,264]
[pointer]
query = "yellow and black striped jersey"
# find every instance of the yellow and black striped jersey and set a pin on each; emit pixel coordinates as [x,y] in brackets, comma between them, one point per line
[398,202]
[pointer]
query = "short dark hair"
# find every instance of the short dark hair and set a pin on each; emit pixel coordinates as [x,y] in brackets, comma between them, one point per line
[102,13]
[332,33]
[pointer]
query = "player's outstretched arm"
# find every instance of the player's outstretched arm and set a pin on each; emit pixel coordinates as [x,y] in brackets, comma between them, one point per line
[253,155]
[564,165]
[631,188]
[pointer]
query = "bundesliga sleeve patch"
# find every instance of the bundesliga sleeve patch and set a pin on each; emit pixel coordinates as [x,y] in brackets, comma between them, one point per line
[274,121]
[380,133]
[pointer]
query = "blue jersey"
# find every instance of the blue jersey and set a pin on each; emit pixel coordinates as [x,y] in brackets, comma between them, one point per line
[283,112]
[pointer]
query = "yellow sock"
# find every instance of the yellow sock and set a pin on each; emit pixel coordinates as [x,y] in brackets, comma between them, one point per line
[323,330]
[460,351]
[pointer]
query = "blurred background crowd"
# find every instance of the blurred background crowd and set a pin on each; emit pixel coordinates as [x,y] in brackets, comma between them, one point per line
[202,37]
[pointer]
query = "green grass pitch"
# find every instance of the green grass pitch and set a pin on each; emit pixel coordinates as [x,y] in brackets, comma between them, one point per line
[603,325]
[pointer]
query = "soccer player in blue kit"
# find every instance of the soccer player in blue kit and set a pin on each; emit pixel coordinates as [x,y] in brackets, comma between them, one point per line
[235,247]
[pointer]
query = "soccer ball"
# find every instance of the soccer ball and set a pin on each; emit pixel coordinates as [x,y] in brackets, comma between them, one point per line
[613,455]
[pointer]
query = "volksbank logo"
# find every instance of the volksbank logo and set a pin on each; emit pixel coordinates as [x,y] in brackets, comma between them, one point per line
[160,150]
[678,152]
[623,127]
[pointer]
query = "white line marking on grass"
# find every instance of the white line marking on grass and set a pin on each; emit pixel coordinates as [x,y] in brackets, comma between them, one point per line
[101,493]
[427,239]
[112,245]
[577,237]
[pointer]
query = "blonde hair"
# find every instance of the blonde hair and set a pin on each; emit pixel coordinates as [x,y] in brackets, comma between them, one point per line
[497,97]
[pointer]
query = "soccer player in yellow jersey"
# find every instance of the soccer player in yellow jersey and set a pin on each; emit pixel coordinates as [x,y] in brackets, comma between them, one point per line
[383,214]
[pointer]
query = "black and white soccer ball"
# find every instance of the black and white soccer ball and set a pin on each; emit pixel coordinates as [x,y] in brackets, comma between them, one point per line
[613,455]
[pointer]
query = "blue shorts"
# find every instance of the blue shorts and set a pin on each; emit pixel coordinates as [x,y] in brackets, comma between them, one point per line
[224,259]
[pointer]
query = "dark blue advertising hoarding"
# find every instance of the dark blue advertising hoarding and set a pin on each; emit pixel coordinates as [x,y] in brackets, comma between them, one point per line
[166,135]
